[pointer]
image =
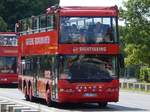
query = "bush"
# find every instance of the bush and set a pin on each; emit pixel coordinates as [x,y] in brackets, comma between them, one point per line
[145,74]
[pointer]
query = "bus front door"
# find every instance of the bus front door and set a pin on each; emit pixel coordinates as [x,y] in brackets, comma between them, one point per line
[36,77]
[54,80]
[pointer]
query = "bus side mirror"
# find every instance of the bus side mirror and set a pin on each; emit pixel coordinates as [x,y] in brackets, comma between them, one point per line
[121,60]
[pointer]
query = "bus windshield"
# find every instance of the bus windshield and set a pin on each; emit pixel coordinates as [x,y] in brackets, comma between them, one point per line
[87,68]
[8,65]
[88,30]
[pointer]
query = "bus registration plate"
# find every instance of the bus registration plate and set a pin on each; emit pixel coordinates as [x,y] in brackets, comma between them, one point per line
[89,94]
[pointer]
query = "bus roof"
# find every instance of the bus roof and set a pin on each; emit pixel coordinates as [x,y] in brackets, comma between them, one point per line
[88,11]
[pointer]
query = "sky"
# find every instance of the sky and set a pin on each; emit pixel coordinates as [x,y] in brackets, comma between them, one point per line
[91,3]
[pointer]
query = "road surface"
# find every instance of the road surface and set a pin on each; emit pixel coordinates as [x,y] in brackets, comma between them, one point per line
[129,102]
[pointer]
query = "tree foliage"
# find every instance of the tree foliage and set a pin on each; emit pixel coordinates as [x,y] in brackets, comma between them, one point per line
[13,10]
[136,33]
[3,24]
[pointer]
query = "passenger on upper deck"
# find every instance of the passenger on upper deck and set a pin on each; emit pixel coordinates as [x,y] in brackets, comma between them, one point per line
[90,35]
[74,29]
[108,35]
[98,28]
[82,35]
[102,32]
[98,31]
[75,34]
[65,34]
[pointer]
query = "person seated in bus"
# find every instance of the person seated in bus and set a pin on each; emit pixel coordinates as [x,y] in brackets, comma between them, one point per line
[75,34]
[98,28]
[74,29]
[108,37]
[1,42]
[65,34]
[82,36]
[14,67]
[99,32]
[5,41]
[90,35]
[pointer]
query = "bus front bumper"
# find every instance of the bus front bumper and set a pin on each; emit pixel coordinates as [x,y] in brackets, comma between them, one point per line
[88,97]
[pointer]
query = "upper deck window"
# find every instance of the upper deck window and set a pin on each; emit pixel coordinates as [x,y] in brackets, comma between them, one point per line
[8,40]
[88,30]
[36,24]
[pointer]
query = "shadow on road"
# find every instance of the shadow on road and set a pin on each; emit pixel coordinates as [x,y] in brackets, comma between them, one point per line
[8,85]
[95,107]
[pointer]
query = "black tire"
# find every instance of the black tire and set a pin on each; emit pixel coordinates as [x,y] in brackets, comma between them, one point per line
[25,94]
[31,98]
[49,102]
[102,104]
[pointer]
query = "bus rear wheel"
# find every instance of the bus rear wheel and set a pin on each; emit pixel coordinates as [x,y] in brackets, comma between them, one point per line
[48,98]
[25,93]
[102,104]
[31,98]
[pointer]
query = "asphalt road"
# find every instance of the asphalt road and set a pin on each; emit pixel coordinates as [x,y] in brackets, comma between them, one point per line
[129,102]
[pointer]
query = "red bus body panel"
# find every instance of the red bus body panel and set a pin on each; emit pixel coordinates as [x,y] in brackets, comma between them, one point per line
[8,51]
[30,44]
[8,78]
[88,49]
[100,89]
[88,11]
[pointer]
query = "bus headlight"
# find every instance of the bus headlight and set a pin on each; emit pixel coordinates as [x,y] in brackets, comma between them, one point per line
[112,89]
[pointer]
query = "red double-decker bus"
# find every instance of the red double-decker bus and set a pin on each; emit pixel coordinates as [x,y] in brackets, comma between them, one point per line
[8,58]
[70,55]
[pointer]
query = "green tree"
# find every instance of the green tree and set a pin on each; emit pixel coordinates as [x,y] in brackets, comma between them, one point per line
[3,25]
[137,37]
[13,10]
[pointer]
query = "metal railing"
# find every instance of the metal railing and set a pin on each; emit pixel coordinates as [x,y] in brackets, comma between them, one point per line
[135,86]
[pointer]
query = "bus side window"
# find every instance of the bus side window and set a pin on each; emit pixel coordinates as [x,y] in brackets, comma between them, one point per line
[46,66]
[14,66]
[35,23]
[42,23]
[28,66]
[50,21]
[22,66]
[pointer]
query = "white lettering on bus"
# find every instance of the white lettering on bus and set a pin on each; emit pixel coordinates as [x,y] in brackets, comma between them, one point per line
[89,49]
[38,40]
[30,41]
